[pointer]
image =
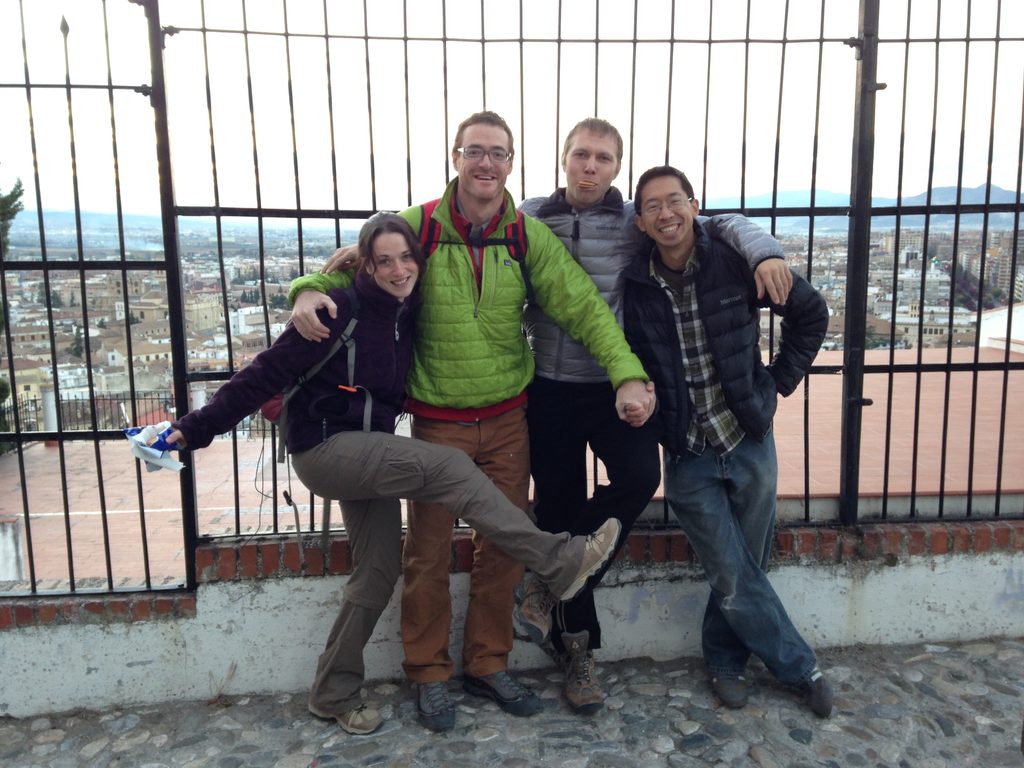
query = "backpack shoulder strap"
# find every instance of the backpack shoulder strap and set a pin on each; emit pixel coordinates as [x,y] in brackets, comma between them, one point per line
[344,340]
[518,243]
[429,231]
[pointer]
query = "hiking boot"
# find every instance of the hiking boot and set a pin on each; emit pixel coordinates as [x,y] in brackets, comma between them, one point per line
[434,707]
[511,695]
[596,551]
[359,721]
[582,688]
[818,694]
[532,613]
[731,691]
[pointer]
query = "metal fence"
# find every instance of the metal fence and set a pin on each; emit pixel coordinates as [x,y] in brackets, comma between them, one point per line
[258,136]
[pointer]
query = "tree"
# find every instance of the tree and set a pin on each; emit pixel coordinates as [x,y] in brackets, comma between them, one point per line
[77,346]
[10,206]
[56,302]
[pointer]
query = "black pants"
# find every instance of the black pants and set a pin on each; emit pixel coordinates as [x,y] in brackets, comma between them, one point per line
[563,418]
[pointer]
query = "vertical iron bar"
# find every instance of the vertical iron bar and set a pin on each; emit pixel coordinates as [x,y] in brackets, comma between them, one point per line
[746,101]
[175,309]
[444,79]
[810,241]
[219,227]
[369,108]
[408,121]
[857,262]
[330,128]
[144,538]
[558,91]
[558,88]
[1009,315]
[42,255]
[925,242]
[597,51]
[632,97]
[981,282]
[944,453]
[522,104]
[298,224]
[49,312]
[890,379]
[671,76]
[707,106]
[262,272]
[483,54]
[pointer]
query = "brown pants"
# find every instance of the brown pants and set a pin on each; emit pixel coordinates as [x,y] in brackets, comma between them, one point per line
[500,448]
[368,472]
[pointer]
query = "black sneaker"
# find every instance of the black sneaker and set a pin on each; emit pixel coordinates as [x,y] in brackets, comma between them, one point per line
[434,707]
[731,691]
[818,694]
[511,695]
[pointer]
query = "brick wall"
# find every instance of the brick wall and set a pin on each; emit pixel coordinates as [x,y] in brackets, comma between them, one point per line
[277,557]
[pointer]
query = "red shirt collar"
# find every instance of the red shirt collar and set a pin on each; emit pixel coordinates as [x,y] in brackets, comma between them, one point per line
[464,225]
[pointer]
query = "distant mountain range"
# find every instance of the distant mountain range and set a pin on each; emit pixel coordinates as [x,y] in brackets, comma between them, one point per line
[825,199]
[797,199]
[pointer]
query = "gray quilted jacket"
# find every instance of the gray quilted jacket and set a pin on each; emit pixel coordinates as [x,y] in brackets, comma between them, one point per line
[604,239]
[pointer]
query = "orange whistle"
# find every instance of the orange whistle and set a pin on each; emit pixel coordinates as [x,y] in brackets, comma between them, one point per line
[347,389]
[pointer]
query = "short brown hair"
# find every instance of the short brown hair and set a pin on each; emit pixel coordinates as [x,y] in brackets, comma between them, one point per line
[598,126]
[483,118]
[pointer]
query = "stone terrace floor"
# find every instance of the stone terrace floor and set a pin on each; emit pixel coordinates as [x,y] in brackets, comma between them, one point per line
[923,706]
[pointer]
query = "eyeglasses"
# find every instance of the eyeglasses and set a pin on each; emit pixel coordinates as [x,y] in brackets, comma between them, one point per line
[474,154]
[675,204]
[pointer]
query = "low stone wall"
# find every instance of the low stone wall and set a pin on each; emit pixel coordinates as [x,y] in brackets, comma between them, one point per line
[258,618]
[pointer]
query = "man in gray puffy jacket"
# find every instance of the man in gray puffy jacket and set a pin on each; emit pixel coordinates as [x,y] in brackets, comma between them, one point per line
[571,404]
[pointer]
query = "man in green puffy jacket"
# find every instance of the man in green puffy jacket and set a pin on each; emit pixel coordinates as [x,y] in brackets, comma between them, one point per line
[467,389]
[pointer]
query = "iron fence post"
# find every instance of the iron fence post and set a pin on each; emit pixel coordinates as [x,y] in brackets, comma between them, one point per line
[866,48]
[168,214]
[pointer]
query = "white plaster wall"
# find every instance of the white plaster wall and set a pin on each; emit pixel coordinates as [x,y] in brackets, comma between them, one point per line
[264,636]
[10,548]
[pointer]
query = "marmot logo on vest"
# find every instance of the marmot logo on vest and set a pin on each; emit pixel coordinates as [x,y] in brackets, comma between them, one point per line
[507,262]
[730,300]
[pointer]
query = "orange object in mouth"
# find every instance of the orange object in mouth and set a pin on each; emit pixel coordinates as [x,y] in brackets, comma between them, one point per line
[586,183]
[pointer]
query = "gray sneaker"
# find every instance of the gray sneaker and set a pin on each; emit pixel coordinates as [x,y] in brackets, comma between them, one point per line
[359,720]
[532,613]
[511,695]
[596,551]
[434,707]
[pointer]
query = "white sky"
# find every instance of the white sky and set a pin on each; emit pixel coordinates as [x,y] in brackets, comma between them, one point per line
[554,98]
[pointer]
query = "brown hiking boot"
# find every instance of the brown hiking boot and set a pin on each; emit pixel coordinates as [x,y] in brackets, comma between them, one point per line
[532,613]
[582,688]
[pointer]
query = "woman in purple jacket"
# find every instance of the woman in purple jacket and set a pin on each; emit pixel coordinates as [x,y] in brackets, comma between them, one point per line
[368,471]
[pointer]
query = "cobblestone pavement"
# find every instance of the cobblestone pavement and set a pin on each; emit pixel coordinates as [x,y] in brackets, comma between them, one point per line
[924,706]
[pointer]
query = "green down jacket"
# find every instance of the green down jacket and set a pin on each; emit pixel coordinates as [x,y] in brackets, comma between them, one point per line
[470,350]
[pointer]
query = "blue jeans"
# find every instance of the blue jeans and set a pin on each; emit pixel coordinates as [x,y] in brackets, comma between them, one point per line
[726,508]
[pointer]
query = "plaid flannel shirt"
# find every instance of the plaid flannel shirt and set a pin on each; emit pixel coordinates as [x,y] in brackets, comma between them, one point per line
[712,421]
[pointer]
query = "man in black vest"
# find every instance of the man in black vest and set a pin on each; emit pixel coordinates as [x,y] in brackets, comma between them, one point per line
[692,315]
